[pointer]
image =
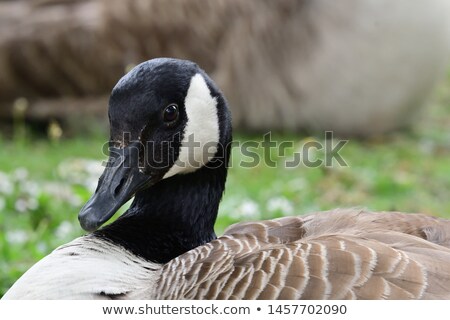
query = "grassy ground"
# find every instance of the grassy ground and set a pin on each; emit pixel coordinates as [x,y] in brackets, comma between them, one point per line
[43,184]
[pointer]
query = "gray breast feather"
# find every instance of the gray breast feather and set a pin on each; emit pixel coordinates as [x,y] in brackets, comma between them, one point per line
[86,268]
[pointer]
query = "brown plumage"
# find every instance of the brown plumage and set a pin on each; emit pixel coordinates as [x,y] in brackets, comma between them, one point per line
[340,254]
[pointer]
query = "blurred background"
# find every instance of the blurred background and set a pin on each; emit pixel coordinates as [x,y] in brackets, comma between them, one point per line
[375,72]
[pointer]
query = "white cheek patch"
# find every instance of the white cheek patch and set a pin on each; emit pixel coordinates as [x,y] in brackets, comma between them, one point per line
[201,134]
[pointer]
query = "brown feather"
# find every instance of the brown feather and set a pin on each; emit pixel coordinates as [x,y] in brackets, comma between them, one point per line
[340,254]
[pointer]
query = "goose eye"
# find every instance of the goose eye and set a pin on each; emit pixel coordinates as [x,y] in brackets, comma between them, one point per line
[171,113]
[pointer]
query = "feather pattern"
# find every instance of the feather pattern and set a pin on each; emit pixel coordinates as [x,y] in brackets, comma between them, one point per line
[341,254]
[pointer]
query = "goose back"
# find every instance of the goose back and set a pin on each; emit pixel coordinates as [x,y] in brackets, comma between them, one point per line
[341,254]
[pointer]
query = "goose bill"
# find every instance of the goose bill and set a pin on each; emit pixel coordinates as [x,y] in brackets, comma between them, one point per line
[119,182]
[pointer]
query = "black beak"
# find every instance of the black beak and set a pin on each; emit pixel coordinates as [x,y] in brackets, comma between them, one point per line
[118,183]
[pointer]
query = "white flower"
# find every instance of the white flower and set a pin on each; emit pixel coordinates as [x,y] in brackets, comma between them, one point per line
[21,205]
[297,184]
[94,167]
[6,186]
[64,230]
[247,209]
[280,204]
[75,201]
[42,247]
[91,184]
[61,192]
[80,171]
[20,174]
[16,236]
[31,188]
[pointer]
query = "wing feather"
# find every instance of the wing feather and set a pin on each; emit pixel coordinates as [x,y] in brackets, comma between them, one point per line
[347,254]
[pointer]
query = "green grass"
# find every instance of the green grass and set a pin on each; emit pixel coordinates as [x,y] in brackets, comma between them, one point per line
[42,158]
[407,171]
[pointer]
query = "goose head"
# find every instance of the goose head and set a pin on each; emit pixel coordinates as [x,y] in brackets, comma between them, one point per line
[170,134]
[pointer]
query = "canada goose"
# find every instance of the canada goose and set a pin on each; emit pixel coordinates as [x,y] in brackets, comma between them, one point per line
[164,246]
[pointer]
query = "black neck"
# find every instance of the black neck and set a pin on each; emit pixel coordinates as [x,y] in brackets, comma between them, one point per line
[172,217]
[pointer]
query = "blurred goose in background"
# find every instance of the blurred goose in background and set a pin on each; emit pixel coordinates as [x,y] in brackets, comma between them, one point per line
[164,246]
[377,60]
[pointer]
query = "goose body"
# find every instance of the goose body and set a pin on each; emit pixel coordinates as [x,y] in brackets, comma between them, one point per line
[164,246]
[340,254]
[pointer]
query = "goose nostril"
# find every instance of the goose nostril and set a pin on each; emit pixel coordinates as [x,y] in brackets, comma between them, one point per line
[118,188]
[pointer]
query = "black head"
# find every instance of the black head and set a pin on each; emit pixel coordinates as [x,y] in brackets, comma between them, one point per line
[168,121]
